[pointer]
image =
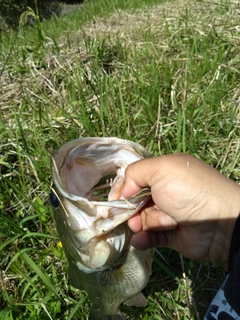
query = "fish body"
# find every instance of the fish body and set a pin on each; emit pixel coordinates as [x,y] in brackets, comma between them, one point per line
[87,180]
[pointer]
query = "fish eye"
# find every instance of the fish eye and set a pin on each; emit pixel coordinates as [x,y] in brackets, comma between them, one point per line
[54,200]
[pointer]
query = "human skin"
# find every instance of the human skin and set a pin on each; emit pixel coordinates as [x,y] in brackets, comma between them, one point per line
[194,207]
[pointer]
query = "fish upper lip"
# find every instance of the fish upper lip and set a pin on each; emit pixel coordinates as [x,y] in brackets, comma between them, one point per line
[80,164]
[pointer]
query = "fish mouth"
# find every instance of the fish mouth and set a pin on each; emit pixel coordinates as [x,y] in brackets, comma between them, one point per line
[101,208]
[94,168]
[101,190]
[88,175]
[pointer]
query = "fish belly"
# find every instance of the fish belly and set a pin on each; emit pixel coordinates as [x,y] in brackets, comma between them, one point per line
[117,284]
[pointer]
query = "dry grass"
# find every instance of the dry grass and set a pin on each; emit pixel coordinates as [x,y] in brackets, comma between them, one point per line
[128,28]
[41,79]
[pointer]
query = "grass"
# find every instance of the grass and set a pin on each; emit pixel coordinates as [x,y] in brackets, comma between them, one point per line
[164,74]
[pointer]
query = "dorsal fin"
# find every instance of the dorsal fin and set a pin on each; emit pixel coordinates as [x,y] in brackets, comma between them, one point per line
[137,301]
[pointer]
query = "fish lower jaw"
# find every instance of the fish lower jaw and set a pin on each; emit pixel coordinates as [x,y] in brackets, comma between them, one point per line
[101,252]
[96,258]
[101,257]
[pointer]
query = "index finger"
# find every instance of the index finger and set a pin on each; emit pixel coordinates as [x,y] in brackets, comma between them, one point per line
[138,175]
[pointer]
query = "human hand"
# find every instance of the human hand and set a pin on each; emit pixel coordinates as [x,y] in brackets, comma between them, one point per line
[194,206]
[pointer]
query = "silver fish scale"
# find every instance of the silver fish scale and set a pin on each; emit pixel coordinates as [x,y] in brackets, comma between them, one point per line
[116,284]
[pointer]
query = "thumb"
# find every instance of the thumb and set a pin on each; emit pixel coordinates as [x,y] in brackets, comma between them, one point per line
[135,178]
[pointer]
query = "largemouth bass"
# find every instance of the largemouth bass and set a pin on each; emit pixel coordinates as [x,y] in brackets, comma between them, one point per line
[87,179]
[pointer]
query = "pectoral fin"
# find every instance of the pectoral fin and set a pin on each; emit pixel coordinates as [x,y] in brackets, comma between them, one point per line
[137,301]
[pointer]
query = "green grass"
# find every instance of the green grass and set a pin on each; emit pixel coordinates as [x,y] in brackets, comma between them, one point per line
[166,76]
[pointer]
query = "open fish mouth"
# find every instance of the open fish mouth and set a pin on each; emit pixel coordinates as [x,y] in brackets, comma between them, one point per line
[88,175]
[88,167]
[101,190]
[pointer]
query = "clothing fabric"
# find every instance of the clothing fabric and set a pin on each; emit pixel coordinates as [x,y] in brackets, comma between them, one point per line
[220,309]
[226,303]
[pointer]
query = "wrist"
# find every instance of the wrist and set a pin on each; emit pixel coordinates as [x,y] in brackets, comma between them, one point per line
[226,241]
[223,249]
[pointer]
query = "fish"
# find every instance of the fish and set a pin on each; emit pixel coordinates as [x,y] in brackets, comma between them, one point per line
[91,218]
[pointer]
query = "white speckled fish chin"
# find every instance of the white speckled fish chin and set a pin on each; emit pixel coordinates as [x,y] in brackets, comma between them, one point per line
[88,176]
